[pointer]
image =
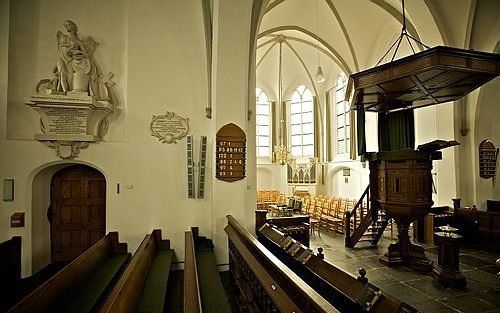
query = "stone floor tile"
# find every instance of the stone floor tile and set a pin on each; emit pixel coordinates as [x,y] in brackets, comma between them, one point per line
[433,289]
[434,307]
[406,293]
[379,278]
[468,304]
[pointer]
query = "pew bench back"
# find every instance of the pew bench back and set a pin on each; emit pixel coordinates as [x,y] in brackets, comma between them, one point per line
[143,285]
[75,280]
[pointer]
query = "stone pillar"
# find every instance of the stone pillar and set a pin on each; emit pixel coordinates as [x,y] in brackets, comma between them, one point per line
[230,98]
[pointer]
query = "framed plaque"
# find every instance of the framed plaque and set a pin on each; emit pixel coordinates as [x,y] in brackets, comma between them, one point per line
[230,157]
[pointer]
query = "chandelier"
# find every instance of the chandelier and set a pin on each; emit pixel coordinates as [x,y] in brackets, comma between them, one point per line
[281,152]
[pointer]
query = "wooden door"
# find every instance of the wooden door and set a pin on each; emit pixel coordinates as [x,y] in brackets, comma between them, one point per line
[77,213]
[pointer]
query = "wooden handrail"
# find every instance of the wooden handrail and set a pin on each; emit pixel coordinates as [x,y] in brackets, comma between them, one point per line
[283,289]
[350,238]
[192,298]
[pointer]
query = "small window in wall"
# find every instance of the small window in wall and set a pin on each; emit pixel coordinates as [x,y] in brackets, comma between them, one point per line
[302,122]
[343,116]
[263,124]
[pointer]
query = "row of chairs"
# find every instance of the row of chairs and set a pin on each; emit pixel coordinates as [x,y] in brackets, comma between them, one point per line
[265,198]
[327,212]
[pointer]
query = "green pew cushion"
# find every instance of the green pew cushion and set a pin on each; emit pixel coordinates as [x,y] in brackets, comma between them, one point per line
[155,287]
[86,297]
[213,295]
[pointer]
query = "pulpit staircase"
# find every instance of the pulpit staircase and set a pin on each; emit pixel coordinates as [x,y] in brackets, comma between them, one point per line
[365,222]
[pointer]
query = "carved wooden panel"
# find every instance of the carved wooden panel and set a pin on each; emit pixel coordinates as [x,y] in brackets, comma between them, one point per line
[398,185]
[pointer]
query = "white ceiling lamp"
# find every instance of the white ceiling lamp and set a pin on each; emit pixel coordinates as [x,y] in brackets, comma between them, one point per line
[320,77]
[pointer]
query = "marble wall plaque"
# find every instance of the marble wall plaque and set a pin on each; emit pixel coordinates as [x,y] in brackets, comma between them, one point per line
[66,121]
[169,127]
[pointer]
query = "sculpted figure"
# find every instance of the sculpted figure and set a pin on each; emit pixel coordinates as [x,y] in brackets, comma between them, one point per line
[76,69]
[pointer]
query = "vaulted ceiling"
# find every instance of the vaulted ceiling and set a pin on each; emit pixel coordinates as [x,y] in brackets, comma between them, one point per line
[354,35]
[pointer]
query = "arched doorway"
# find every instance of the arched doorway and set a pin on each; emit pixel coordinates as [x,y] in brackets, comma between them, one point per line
[77,212]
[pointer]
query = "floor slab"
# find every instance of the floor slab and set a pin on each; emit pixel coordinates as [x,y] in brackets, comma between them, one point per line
[416,288]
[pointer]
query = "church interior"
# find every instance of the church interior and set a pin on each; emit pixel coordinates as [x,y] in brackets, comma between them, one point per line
[250,156]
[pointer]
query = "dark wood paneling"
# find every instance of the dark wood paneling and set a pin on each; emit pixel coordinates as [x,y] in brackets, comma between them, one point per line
[78,216]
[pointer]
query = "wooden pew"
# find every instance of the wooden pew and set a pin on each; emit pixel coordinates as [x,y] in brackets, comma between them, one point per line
[346,292]
[265,283]
[480,228]
[203,289]
[297,226]
[10,271]
[192,297]
[82,285]
[143,285]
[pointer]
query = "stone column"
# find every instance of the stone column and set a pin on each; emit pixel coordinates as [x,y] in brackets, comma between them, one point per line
[232,93]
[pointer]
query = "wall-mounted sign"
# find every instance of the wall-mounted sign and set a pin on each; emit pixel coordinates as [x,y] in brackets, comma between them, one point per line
[230,152]
[17,219]
[487,159]
[169,127]
[346,172]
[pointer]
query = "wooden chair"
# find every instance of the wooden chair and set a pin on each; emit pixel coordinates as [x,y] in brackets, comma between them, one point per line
[341,214]
[324,213]
[315,220]
[305,206]
[334,222]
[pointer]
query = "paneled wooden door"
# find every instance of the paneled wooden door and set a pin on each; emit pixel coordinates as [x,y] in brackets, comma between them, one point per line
[77,213]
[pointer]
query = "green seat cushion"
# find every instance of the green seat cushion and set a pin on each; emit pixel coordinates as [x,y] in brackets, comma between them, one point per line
[155,287]
[213,295]
[85,297]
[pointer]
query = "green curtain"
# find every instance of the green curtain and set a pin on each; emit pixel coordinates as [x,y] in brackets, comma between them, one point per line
[396,130]
[360,130]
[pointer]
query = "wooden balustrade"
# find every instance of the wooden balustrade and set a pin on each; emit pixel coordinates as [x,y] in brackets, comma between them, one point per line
[264,282]
[346,292]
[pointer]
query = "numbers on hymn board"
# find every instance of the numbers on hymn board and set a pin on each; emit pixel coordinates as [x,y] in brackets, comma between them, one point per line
[230,159]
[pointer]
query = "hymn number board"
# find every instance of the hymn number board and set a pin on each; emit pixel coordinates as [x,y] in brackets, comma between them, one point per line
[230,152]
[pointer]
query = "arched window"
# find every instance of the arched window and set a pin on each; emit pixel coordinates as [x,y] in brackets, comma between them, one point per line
[302,122]
[343,116]
[263,123]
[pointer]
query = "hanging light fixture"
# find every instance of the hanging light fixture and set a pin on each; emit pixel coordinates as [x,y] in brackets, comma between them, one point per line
[320,77]
[281,152]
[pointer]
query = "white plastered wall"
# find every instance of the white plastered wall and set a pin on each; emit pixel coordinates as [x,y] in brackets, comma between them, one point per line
[157,51]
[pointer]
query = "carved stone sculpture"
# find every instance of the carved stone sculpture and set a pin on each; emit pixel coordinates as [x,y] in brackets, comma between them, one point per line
[74,105]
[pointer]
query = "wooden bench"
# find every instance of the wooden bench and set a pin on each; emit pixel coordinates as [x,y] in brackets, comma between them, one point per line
[83,285]
[346,292]
[10,271]
[143,285]
[264,282]
[203,289]
[297,226]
